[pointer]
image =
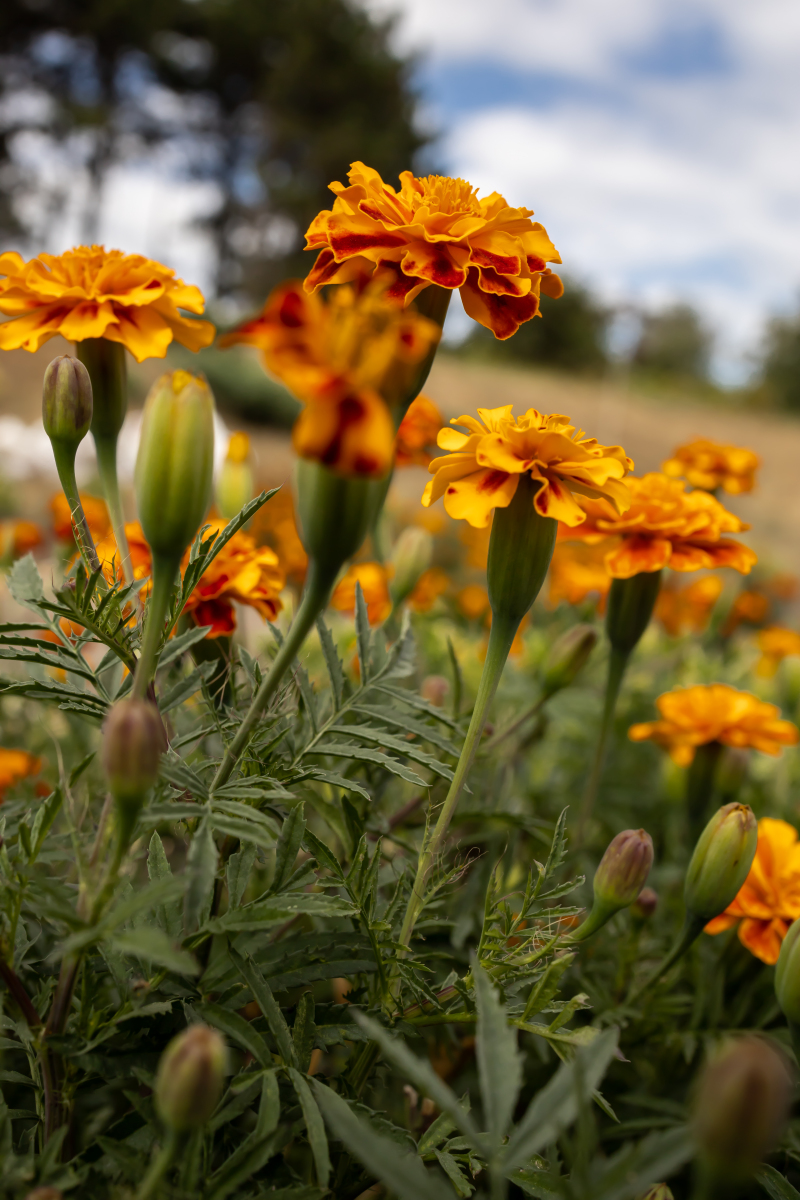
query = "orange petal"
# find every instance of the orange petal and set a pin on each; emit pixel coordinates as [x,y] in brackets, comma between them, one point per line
[637,555]
[763,938]
[502,314]
[474,497]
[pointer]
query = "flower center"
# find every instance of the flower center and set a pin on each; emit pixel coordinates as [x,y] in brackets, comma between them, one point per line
[442,194]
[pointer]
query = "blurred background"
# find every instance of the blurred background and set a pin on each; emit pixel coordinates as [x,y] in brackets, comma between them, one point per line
[657,142]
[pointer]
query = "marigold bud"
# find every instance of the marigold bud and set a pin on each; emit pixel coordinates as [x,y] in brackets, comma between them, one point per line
[741,1105]
[623,869]
[335,513]
[435,689]
[411,555]
[721,861]
[235,484]
[175,462]
[787,975]
[630,607]
[190,1078]
[107,367]
[520,548]
[568,656]
[133,742]
[645,904]
[66,402]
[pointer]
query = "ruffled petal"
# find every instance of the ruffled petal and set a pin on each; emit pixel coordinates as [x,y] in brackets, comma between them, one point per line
[502,314]
[763,938]
[637,555]
[555,500]
[474,497]
[353,434]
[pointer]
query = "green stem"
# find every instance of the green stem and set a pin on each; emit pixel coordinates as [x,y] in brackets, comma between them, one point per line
[600,915]
[700,786]
[107,466]
[617,662]
[493,742]
[500,638]
[692,928]
[160,1165]
[65,465]
[315,597]
[164,572]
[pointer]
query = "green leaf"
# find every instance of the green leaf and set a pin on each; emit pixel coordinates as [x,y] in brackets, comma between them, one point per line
[25,583]
[775,1185]
[238,873]
[304,1030]
[558,847]
[332,662]
[289,842]
[267,1003]
[177,646]
[259,914]
[154,946]
[238,1030]
[416,702]
[324,856]
[499,1060]
[127,909]
[349,785]
[381,738]
[454,1173]
[43,821]
[181,776]
[545,988]
[401,720]
[201,872]
[363,635]
[169,915]
[458,679]
[187,687]
[343,750]
[403,1174]
[315,1127]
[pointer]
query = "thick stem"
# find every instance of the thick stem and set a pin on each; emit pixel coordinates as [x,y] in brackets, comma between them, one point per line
[164,572]
[107,466]
[16,989]
[617,662]
[692,928]
[160,1165]
[500,638]
[65,465]
[315,597]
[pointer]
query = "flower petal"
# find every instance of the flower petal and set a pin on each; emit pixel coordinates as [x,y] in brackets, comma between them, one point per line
[502,314]
[474,497]
[638,554]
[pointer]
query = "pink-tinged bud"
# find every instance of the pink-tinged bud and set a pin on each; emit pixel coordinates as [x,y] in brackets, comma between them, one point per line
[741,1107]
[721,861]
[623,869]
[567,658]
[133,742]
[190,1079]
[645,904]
[435,689]
[66,402]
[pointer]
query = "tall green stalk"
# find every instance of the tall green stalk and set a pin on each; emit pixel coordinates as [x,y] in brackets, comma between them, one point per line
[107,467]
[65,465]
[164,573]
[617,664]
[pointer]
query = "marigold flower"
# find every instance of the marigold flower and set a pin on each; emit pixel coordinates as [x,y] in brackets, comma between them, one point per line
[666,526]
[94,509]
[687,609]
[14,766]
[418,430]
[18,538]
[576,572]
[374,580]
[483,469]
[710,465]
[91,292]
[346,359]
[694,716]
[275,525]
[769,899]
[775,645]
[473,601]
[750,607]
[431,584]
[436,230]
[476,542]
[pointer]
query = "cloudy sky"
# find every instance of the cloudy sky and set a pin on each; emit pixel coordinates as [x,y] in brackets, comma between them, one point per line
[657,140]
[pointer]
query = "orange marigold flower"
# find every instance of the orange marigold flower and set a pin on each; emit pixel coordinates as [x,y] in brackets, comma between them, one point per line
[346,359]
[418,430]
[473,601]
[436,230]
[687,609]
[94,509]
[431,584]
[18,538]
[694,716]
[576,572]
[484,466]
[775,645]
[91,292]
[141,559]
[275,525]
[14,766]
[750,607]
[769,899]
[666,526]
[710,465]
[374,580]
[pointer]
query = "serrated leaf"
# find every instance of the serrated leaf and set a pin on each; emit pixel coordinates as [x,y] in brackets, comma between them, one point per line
[400,720]
[362,754]
[774,1184]
[201,871]
[545,989]
[349,785]
[177,646]
[130,907]
[315,1127]
[262,913]
[304,1030]
[363,634]
[289,843]
[177,772]
[25,583]
[454,1173]
[324,856]
[154,946]
[416,702]
[187,687]
[238,1030]
[381,738]
[267,1003]
[558,845]
[158,867]
[307,693]
[499,1060]
[238,871]
[332,662]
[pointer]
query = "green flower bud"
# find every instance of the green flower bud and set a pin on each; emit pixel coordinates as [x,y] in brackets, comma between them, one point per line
[520,548]
[787,975]
[568,656]
[645,904]
[630,607]
[658,1191]
[66,403]
[619,879]
[105,362]
[335,512]
[133,742]
[190,1078]
[411,555]
[721,861]
[740,1109]
[175,462]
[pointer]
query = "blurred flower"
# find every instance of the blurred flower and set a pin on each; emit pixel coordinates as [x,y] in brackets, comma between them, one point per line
[94,509]
[14,766]
[576,571]
[141,559]
[687,609]
[782,586]
[431,584]
[18,537]
[418,430]
[710,465]
[666,526]
[750,607]
[275,525]
[473,601]
[234,486]
[374,580]
[775,644]
[435,230]
[346,359]
[91,292]
[769,899]
[434,689]
[483,469]
[693,716]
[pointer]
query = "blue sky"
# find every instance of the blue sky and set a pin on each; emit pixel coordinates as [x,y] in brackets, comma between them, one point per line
[657,140]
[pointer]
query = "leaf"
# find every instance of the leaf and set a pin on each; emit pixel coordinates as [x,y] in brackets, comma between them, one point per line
[238,871]
[545,989]
[307,693]
[332,662]
[409,749]
[175,647]
[499,1060]
[181,776]
[349,785]
[289,842]
[400,720]
[238,1030]
[458,679]
[416,702]
[403,1174]
[324,856]
[25,583]
[267,1003]
[556,1106]
[343,750]
[558,847]
[201,871]
[242,830]
[153,945]
[158,867]
[304,1030]
[187,686]
[252,788]
[363,635]
[775,1185]
[43,821]
[262,913]
[454,1173]
[127,909]
[315,1127]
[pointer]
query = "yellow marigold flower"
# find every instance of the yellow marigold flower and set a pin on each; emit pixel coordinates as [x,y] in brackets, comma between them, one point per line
[751,607]
[418,430]
[769,899]
[275,525]
[431,584]
[710,465]
[694,716]
[346,359]
[576,572]
[14,766]
[91,292]
[18,538]
[238,447]
[435,230]
[94,509]
[473,601]
[687,609]
[484,466]
[775,645]
[666,526]
[374,580]
[476,542]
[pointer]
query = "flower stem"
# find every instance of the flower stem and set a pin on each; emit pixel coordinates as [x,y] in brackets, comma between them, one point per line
[164,572]
[501,636]
[692,928]
[160,1165]
[107,466]
[318,588]
[65,465]
[617,662]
